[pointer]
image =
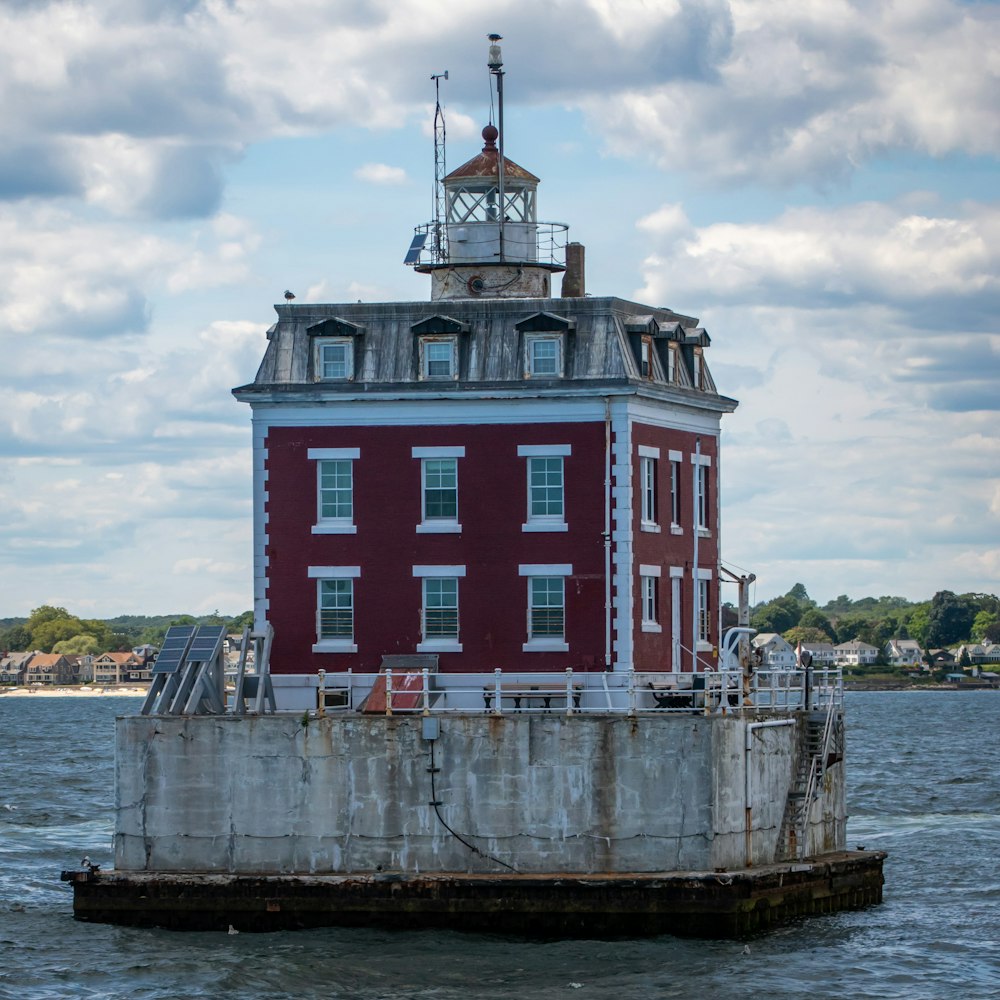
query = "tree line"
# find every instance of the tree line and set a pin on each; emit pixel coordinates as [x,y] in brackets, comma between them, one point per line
[55,630]
[945,620]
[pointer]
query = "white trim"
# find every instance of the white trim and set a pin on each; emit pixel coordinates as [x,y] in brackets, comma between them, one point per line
[422,571]
[540,525]
[675,456]
[645,570]
[651,627]
[543,450]
[676,529]
[701,573]
[332,528]
[321,453]
[648,451]
[439,528]
[701,459]
[439,646]
[334,572]
[650,526]
[445,451]
[545,569]
[334,646]
[545,646]
[676,572]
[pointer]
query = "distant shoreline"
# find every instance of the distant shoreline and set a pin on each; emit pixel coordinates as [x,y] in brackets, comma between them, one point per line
[82,691]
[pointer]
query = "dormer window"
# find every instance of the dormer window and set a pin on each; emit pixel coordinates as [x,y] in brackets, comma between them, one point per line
[438,357]
[544,356]
[334,359]
[697,373]
[671,363]
[646,357]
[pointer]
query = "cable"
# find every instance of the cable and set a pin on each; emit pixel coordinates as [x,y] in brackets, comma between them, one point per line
[437,811]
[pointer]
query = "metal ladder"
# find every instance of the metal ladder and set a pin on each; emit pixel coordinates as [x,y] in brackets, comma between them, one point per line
[817,751]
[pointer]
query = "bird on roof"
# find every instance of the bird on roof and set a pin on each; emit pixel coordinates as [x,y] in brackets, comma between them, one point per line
[289,295]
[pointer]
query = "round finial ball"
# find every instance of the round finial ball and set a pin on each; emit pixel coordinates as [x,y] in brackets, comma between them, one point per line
[490,134]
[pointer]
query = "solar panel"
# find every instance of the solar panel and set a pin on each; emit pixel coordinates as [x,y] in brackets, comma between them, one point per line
[413,254]
[175,644]
[205,643]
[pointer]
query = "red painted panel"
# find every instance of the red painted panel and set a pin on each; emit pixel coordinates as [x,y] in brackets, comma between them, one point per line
[492,507]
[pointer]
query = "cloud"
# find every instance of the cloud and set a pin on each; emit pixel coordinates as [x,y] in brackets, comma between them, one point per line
[75,279]
[929,269]
[806,92]
[381,173]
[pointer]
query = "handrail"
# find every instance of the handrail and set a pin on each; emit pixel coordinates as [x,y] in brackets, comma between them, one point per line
[576,692]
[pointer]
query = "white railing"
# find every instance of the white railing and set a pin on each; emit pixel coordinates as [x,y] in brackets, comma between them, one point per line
[572,692]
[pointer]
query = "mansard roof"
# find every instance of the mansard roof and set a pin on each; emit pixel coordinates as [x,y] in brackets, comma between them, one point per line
[601,349]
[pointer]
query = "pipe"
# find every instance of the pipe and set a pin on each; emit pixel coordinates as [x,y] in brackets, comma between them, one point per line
[607,534]
[748,789]
[696,596]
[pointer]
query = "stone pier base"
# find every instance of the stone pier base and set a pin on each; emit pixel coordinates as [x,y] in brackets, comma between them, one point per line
[724,904]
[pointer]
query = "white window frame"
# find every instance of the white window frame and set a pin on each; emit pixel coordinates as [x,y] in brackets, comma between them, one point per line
[333,525]
[544,522]
[676,461]
[671,363]
[427,347]
[702,594]
[649,598]
[649,459]
[530,366]
[344,343]
[439,643]
[550,571]
[323,574]
[702,464]
[697,366]
[437,525]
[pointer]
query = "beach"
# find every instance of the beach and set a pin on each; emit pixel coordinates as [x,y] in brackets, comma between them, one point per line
[75,691]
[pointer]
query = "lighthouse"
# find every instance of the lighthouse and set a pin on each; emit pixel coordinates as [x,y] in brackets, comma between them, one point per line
[491,687]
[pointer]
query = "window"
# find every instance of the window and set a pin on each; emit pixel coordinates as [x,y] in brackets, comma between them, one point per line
[702,497]
[646,357]
[675,491]
[440,610]
[438,357]
[334,490]
[334,359]
[440,489]
[649,490]
[547,607]
[546,486]
[697,374]
[544,356]
[648,499]
[649,598]
[671,363]
[334,608]
[704,611]
[546,625]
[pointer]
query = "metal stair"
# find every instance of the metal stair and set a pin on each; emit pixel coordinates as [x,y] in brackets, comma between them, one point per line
[821,746]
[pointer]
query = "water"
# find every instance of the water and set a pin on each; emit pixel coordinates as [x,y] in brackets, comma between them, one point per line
[923,784]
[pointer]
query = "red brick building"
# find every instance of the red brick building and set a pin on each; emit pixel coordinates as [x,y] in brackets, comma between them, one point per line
[497,476]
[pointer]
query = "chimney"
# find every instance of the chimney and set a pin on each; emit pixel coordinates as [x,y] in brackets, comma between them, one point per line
[573,284]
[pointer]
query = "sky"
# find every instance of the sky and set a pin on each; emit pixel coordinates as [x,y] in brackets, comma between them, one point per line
[815,179]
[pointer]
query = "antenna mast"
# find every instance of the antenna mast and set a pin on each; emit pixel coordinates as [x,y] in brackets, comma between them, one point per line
[495,63]
[440,229]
